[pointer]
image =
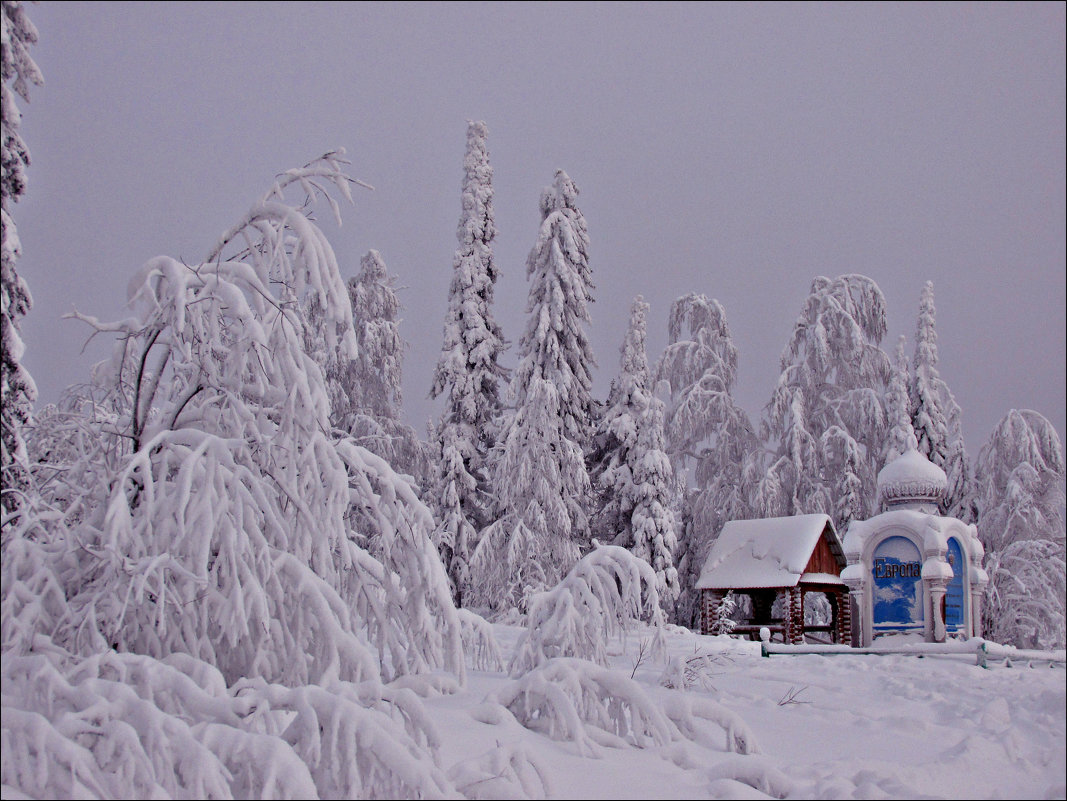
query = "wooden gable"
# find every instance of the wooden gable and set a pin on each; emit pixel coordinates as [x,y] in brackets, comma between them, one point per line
[823,558]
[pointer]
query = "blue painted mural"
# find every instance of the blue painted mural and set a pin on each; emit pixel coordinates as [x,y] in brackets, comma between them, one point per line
[897,591]
[954,593]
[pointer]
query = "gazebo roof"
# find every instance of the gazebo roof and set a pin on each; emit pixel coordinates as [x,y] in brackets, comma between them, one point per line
[770,552]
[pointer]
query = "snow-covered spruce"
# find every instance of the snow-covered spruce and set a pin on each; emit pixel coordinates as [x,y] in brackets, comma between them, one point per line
[17,389]
[709,437]
[595,602]
[372,382]
[935,415]
[897,408]
[468,373]
[613,453]
[655,537]
[632,475]
[542,484]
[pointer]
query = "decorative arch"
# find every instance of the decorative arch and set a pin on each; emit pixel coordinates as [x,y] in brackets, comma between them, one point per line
[877,617]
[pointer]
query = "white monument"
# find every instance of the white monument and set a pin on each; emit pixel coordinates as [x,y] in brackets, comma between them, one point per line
[912,571]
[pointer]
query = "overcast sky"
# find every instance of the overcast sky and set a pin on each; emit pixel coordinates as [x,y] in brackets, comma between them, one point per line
[733,150]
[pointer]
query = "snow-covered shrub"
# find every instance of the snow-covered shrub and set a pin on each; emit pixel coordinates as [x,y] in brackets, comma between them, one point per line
[592,706]
[724,616]
[686,712]
[576,700]
[596,601]
[693,671]
[125,725]
[216,542]
[507,771]
[479,644]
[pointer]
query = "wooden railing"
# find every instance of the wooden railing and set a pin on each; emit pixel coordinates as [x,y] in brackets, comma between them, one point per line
[984,651]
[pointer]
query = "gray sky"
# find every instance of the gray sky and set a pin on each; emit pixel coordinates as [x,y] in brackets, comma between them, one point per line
[733,150]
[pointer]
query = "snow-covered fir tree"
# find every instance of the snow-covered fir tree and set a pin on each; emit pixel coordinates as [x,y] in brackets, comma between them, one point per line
[220,611]
[709,437]
[366,390]
[825,423]
[897,407]
[632,475]
[468,373]
[653,524]
[543,487]
[17,389]
[935,415]
[1021,475]
[613,455]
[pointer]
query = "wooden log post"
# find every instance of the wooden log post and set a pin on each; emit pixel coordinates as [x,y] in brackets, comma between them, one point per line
[844,617]
[709,612]
[794,617]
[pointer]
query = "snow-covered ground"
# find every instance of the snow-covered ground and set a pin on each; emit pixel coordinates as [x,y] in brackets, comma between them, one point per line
[858,726]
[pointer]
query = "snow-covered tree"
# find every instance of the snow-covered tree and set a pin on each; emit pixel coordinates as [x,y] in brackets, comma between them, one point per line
[709,437]
[206,602]
[935,415]
[825,422]
[365,391]
[599,598]
[613,453]
[897,407]
[655,536]
[1021,475]
[468,373]
[542,484]
[555,346]
[17,389]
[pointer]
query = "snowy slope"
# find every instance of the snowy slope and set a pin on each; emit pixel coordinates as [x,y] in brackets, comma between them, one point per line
[887,726]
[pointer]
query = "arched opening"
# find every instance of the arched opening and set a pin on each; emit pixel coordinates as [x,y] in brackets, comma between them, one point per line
[955,594]
[896,588]
[820,617]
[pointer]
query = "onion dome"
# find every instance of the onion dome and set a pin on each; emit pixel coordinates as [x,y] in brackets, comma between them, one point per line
[911,480]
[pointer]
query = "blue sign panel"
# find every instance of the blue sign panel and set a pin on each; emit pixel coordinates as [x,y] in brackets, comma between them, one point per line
[954,593]
[897,591]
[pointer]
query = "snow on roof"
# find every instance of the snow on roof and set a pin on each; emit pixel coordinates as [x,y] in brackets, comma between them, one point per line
[770,552]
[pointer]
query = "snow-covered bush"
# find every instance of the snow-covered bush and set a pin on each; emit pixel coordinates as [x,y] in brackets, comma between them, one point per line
[596,601]
[479,643]
[213,547]
[593,706]
[504,772]
[576,700]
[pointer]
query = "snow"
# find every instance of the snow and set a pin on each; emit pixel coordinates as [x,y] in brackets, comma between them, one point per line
[860,726]
[770,552]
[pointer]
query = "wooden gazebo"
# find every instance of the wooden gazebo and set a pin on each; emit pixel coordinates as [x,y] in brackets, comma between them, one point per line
[775,556]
